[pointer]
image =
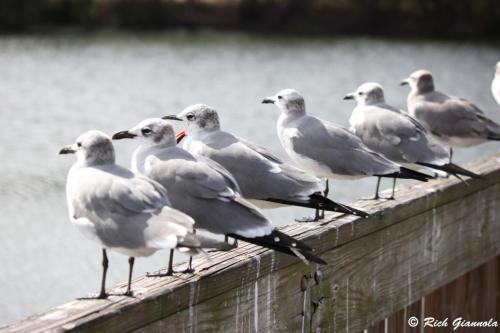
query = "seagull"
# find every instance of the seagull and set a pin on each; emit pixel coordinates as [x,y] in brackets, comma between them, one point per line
[328,150]
[205,190]
[122,211]
[495,84]
[263,178]
[454,122]
[395,134]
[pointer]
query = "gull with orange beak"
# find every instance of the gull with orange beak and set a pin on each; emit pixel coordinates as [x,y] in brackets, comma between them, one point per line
[263,178]
[328,150]
[205,190]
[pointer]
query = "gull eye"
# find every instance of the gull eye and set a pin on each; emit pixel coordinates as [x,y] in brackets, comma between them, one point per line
[78,144]
[146,131]
[190,116]
[360,93]
[280,97]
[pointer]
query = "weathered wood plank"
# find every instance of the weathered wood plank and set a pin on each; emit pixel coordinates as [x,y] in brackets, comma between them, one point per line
[432,234]
[374,276]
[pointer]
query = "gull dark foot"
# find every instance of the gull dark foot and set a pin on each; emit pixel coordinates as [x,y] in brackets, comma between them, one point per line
[372,198]
[129,293]
[160,274]
[307,219]
[189,270]
[93,297]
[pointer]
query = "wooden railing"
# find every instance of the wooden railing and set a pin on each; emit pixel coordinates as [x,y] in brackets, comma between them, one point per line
[438,241]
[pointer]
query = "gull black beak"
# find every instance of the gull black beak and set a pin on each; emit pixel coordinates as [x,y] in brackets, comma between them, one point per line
[404,82]
[268,100]
[67,150]
[171,117]
[348,96]
[123,135]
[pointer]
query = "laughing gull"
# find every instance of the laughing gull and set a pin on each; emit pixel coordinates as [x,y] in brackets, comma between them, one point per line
[395,134]
[122,211]
[495,84]
[328,150]
[263,178]
[454,122]
[205,190]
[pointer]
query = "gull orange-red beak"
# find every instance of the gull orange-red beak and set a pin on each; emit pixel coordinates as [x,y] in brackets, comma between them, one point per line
[180,136]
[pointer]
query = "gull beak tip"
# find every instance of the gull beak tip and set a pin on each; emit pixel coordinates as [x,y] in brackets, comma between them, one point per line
[66,150]
[123,135]
[171,117]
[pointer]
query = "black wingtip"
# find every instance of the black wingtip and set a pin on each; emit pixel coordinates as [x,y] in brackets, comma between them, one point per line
[453,169]
[317,201]
[320,202]
[405,173]
[314,258]
[281,242]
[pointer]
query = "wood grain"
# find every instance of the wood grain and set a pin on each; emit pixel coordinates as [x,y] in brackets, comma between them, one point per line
[434,233]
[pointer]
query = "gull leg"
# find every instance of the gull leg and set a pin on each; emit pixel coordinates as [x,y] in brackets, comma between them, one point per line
[102,294]
[376,196]
[130,269]
[325,193]
[393,189]
[451,153]
[170,270]
[105,263]
[377,188]
[317,214]
[306,219]
[190,268]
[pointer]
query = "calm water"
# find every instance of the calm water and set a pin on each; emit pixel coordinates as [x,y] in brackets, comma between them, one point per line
[53,89]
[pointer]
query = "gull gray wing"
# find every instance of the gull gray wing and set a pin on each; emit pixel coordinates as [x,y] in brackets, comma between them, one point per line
[261,150]
[338,149]
[258,176]
[448,116]
[197,179]
[203,193]
[126,210]
[398,136]
[230,180]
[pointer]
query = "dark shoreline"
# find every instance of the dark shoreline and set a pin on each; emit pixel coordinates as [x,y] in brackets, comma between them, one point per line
[456,20]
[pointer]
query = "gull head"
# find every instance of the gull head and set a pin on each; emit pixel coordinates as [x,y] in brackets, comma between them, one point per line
[367,94]
[151,132]
[92,148]
[289,101]
[199,117]
[420,81]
